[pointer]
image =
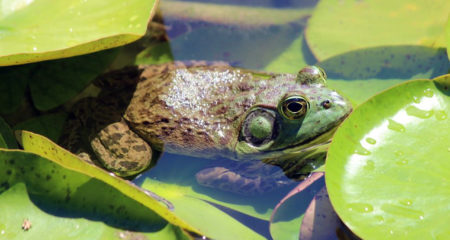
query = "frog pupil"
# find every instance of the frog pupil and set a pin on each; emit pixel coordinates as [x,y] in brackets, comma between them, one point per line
[294,107]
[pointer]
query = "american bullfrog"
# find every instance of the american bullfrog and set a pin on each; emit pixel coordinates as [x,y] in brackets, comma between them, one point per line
[207,110]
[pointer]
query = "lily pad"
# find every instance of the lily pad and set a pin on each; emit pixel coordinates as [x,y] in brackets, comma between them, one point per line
[388,168]
[363,73]
[337,27]
[36,195]
[447,33]
[65,160]
[39,30]
[287,216]
[51,83]
[7,139]
[321,221]
[18,209]
[49,125]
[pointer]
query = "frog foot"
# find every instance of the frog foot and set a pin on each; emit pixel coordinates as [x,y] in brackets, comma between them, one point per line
[228,180]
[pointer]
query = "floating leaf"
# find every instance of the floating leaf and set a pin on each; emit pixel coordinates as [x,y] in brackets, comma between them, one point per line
[388,167]
[39,30]
[40,145]
[49,125]
[363,73]
[337,27]
[52,83]
[42,195]
[447,33]
[155,54]
[320,221]
[13,81]
[293,58]
[288,214]
[7,139]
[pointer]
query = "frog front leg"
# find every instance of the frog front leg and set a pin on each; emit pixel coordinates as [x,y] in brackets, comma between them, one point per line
[120,150]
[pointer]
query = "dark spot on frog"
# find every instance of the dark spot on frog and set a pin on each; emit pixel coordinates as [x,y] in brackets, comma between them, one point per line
[37,175]
[188,137]
[128,164]
[11,162]
[222,110]
[124,150]
[48,177]
[165,120]
[8,172]
[140,148]
[243,86]
[64,176]
[146,123]
[116,136]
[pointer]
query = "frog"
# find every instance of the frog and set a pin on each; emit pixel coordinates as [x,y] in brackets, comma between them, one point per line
[208,110]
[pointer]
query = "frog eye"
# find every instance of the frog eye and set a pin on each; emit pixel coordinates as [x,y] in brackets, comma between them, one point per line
[293,107]
[312,74]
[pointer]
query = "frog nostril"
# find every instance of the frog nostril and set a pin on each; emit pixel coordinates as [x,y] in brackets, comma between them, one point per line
[326,104]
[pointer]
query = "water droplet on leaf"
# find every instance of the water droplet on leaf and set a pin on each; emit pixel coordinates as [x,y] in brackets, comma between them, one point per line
[395,126]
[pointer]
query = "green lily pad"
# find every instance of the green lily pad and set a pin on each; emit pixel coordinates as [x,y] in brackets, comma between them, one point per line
[39,30]
[18,206]
[65,160]
[7,139]
[447,33]
[361,74]
[292,59]
[49,125]
[341,26]
[51,83]
[388,168]
[287,216]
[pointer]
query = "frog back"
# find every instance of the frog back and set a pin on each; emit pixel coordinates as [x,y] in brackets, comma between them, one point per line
[193,110]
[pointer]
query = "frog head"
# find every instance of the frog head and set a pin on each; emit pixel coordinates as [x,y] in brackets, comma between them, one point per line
[292,117]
